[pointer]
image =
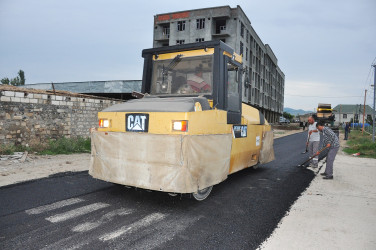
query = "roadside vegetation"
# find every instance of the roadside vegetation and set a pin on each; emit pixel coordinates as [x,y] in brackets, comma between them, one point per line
[53,147]
[361,144]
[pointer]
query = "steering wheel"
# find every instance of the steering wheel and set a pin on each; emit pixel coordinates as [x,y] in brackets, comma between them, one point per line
[185,89]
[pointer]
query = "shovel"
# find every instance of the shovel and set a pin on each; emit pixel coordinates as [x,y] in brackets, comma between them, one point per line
[318,171]
[306,148]
[310,158]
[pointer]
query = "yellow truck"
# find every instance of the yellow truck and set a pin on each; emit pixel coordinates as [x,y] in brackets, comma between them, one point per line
[188,131]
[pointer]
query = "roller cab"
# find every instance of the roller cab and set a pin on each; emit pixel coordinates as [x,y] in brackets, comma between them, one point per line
[189,130]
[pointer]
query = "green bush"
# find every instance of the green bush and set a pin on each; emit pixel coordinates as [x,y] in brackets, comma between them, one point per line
[10,149]
[53,147]
[67,146]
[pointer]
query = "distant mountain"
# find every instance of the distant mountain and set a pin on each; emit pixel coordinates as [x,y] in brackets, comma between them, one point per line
[296,111]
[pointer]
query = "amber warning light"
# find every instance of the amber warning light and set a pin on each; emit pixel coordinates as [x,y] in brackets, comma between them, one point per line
[104,123]
[180,126]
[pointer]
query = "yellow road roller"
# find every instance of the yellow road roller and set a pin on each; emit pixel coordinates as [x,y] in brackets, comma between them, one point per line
[188,130]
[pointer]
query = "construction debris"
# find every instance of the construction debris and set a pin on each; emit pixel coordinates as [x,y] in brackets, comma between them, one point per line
[17,157]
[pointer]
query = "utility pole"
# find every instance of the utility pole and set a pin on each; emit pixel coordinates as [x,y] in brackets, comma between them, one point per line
[364,108]
[353,123]
[374,99]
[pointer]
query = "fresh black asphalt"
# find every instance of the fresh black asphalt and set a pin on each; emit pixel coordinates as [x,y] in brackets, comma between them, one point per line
[240,213]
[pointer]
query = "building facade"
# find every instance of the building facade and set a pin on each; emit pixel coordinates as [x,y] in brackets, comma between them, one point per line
[263,81]
[352,113]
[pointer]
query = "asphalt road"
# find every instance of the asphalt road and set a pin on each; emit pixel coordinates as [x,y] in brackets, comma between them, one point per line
[73,210]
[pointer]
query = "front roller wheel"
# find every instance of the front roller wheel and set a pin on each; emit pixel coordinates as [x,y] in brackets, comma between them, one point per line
[203,193]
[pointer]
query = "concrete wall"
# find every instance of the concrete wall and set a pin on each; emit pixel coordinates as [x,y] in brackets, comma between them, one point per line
[30,118]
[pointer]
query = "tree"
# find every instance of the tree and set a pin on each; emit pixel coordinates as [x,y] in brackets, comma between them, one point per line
[17,81]
[288,116]
[21,75]
[5,81]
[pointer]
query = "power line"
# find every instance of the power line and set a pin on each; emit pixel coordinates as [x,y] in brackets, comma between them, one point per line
[368,77]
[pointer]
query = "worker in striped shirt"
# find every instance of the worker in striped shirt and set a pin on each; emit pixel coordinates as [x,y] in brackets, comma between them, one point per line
[330,140]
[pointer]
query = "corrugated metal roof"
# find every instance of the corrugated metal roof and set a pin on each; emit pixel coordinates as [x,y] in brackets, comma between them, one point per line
[21,88]
[120,86]
[351,108]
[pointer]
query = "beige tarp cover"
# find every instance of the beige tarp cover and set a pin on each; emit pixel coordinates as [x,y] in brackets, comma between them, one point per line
[170,163]
[267,150]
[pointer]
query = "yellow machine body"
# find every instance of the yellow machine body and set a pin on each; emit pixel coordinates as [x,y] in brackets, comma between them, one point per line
[186,143]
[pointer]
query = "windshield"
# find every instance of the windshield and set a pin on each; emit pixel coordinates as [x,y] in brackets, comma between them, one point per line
[183,76]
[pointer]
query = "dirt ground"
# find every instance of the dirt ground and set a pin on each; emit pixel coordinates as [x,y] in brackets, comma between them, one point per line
[36,166]
[281,133]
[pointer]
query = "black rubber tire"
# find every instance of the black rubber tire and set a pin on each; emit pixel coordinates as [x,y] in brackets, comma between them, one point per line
[202,194]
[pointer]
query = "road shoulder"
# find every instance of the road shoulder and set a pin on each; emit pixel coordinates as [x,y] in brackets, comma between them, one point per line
[37,167]
[333,214]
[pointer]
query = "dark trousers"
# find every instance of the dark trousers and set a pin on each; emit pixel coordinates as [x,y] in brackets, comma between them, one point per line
[346,134]
[329,161]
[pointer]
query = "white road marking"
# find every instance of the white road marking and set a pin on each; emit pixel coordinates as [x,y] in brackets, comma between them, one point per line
[87,226]
[163,232]
[77,212]
[146,221]
[53,206]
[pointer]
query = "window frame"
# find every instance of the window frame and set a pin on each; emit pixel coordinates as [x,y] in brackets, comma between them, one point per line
[181,25]
[200,23]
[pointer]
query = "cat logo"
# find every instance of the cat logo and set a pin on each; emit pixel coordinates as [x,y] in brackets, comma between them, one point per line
[137,122]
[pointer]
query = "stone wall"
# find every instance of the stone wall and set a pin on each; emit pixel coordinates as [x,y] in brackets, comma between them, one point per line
[29,118]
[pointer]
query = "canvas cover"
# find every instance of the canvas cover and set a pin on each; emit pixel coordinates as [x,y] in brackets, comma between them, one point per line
[267,149]
[169,163]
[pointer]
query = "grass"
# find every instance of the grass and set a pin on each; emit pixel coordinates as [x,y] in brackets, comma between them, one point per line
[362,144]
[53,147]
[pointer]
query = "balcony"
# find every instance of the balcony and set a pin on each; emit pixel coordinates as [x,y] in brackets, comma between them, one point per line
[221,32]
[162,37]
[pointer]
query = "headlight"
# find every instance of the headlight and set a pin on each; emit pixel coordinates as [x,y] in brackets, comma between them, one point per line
[180,126]
[104,123]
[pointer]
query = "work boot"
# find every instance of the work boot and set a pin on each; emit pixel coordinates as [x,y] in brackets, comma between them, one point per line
[328,177]
[323,174]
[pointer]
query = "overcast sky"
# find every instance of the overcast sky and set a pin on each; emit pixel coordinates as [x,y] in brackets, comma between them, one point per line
[324,47]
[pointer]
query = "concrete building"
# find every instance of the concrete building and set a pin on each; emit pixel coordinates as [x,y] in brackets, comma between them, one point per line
[263,80]
[347,112]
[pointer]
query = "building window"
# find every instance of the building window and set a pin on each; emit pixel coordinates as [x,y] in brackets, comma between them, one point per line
[247,37]
[181,25]
[344,116]
[220,26]
[166,31]
[180,41]
[246,54]
[200,23]
[241,48]
[242,30]
[198,40]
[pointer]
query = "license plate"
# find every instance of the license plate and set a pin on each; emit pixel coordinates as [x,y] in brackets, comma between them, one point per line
[137,122]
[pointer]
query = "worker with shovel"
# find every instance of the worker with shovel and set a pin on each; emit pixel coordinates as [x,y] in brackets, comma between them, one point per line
[331,141]
[313,141]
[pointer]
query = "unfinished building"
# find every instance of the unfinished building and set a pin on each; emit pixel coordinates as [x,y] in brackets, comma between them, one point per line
[263,80]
